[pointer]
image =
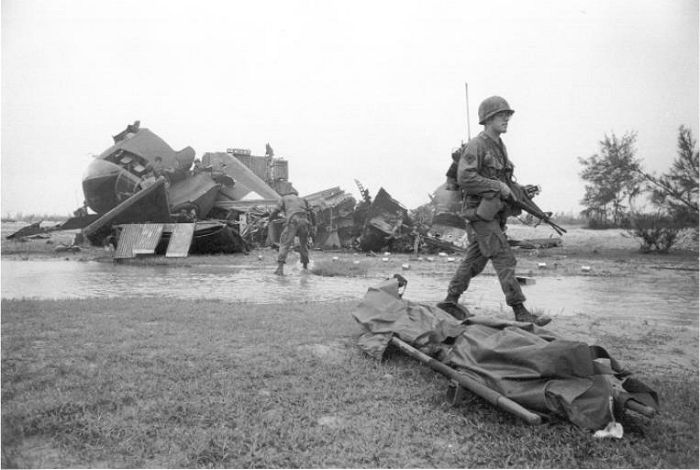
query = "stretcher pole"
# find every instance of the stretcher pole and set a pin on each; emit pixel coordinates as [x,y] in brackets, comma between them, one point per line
[472,385]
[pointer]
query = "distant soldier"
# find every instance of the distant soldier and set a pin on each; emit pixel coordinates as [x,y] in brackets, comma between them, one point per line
[197,167]
[297,224]
[482,175]
[81,211]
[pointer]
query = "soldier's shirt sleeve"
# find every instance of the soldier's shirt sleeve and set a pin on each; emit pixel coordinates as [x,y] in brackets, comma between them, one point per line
[468,172]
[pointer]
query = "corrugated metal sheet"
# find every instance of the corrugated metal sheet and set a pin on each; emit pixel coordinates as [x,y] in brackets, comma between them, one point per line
[138,239]
[180,240]
[257,165]
[280,169]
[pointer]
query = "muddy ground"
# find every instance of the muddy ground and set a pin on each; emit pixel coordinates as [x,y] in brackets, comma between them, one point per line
[605,252]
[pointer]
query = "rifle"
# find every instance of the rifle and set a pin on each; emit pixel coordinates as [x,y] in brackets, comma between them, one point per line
[522,199]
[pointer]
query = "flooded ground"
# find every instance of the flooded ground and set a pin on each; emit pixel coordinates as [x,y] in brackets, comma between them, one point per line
[671,299]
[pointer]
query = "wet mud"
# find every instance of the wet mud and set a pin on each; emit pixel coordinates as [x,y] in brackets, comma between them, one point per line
[670,299]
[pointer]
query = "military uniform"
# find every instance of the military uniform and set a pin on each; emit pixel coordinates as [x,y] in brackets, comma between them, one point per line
[482,169]
[296,210]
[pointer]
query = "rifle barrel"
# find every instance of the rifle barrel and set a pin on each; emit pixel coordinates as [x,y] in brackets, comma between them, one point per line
[539,214]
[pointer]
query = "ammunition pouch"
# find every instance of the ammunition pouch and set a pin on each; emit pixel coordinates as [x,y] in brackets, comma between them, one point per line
[469,205]
[489,207]
[481,209]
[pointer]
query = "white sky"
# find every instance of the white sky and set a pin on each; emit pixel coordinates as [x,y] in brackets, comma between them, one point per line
[372,90]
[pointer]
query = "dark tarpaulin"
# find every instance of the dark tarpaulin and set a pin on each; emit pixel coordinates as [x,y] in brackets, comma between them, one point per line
[523,362]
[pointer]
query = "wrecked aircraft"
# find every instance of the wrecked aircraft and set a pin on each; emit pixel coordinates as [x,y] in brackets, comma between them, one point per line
[385,222]
[141,179]
[227,197]
[334,211]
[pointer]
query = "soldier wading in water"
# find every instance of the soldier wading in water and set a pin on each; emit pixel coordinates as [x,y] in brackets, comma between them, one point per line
[297,223]
[482,172]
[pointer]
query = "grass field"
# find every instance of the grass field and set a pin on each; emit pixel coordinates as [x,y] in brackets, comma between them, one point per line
[171,383]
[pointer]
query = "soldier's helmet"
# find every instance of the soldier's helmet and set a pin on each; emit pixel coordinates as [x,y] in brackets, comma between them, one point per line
[491,106]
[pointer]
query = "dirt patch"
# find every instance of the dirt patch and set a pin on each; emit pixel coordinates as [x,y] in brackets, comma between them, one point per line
[331,421]
[658,348]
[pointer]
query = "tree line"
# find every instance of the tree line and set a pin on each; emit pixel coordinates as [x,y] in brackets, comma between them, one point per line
[615,182]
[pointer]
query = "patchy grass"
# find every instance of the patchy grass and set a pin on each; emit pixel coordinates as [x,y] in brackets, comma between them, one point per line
[173,383]
[339,268]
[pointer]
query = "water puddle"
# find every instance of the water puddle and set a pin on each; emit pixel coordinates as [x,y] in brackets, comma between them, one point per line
[671,299]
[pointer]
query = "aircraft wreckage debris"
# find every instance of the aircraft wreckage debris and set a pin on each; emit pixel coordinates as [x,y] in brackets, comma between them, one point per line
[226,199]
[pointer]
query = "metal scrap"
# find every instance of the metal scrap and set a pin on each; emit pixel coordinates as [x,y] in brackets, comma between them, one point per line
[334,211]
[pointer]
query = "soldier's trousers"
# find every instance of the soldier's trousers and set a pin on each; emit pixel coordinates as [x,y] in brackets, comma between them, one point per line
[296,226]
[487,242]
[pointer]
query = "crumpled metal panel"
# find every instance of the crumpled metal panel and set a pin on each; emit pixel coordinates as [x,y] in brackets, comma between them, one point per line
[180,240]
[248,185]
[138,239]
[148,205]
[386,213]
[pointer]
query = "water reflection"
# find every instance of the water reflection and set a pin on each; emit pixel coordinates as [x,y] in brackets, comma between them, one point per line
[672,299]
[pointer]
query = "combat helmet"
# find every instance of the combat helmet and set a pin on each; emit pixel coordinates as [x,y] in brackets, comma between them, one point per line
[491,106]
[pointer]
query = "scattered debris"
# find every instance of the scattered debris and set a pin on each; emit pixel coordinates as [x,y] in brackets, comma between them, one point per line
[67,248]
[334,211]
[230,195]
[386,225]
[29,230]
[525,281]
[536,243]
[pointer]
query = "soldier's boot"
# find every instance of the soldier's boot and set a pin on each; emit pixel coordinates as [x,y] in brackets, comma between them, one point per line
[452,306]
[280,269]
[524,315]
[305,266]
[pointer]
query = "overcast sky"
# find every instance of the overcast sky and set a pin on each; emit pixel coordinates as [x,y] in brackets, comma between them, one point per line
[373,90]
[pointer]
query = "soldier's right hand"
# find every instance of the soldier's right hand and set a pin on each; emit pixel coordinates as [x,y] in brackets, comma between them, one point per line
[505,191]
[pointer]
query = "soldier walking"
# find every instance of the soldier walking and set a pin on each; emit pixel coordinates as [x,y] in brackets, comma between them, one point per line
[483,173]
[297,224]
